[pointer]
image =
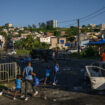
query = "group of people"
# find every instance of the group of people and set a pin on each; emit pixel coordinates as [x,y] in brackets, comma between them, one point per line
[30,80]
[48,73]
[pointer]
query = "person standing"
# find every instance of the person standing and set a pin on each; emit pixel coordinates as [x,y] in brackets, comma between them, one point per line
[56,69]
[28,75]
[18,83]
[47,74]
[56,52]
[103,56]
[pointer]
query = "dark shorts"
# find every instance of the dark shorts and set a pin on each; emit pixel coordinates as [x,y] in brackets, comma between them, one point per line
[18,89]
[47,75]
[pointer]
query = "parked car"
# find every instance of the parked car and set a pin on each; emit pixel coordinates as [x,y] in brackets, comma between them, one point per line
[72,51]
[41,54]
[96,75]
[12,52]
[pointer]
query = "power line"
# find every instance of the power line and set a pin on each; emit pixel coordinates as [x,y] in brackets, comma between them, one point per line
[70,24]
[91,14]
[94,16]
[67,21]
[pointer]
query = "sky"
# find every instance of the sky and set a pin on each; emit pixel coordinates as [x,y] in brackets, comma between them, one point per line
[27,12]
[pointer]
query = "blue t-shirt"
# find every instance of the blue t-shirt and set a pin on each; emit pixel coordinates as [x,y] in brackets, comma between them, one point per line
[56,68]
[27,71]
[18,83]
[48,72]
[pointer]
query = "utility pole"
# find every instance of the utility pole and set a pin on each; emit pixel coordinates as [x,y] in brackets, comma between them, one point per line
[78,40]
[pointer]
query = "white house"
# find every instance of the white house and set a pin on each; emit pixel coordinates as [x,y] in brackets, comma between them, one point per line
[83,43]
[2,39]
[46,39]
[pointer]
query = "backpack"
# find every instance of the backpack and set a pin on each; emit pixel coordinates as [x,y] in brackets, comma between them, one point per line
[35,81]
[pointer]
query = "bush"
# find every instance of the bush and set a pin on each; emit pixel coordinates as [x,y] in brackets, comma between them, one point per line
[89,52]
[22,52]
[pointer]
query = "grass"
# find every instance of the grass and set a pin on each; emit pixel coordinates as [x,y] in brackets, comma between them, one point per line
[22,52]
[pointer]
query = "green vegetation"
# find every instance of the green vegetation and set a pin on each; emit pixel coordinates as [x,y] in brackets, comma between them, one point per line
[22,52]
[29,43]
[4,34]
[89,53]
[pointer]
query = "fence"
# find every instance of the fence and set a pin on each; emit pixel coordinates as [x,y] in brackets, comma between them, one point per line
[8,71]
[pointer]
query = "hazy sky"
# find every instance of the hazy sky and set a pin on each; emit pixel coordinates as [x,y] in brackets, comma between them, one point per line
[24,12]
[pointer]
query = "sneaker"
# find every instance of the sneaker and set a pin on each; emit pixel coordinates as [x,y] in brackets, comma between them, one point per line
[14,98]
[54,84]
[36,93]
[26,99]
[22,96]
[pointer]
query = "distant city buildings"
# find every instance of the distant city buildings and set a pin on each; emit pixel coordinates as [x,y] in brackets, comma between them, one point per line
[102,26]
[92,25]
[52,23]
[8,25]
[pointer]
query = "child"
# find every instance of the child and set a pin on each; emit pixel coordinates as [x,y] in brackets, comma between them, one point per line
[35,84]
[18,83]
[47,74]
[56,69]
[35,81]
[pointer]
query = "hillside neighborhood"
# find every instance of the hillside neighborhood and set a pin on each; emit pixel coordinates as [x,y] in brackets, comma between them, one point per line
[62,38]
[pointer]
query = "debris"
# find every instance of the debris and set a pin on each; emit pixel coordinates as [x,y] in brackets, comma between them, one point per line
[45,97]
[1,93]
[54,100]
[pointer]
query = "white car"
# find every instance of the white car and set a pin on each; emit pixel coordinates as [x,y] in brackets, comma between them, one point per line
[96,75]
[72,51]
[12,52]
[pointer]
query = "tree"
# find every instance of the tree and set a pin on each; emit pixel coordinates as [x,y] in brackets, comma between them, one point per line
[4,34]
[29,42]
[71,39]
[42,25]
[34,26]
[29,26]
[83,26]
[49,27]
[56,33]
[72,31]
[20,44]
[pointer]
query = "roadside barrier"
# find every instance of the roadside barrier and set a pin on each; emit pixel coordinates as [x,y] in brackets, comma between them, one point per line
[9,71]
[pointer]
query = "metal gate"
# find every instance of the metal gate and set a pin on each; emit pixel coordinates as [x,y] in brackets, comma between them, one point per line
[9,71]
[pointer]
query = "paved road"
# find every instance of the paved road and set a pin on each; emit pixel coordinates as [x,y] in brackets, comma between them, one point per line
[69,91]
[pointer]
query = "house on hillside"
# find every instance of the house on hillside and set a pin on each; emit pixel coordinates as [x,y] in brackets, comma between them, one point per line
[46,39]
[58,42]
[2,42]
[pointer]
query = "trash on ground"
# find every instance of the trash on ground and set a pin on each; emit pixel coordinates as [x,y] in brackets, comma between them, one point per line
[1,93]
[54,100]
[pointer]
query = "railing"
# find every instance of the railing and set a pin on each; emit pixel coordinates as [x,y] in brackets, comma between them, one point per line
[9,71]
